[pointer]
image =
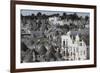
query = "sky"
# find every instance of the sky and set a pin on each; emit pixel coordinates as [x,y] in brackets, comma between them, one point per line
[30,12]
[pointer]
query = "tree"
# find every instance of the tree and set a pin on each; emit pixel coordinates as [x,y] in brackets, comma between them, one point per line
[86,18]
[57,14]
[32,16]
[44,16]
[52,49]
[64,15]
[74,16]
[21,16]
[42,50]
[39,15]
[23,46]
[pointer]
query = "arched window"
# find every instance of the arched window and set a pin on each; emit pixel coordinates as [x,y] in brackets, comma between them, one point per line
[80,44]
[64,43]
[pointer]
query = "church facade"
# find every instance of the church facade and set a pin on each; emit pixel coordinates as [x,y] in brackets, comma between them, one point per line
[73,48]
